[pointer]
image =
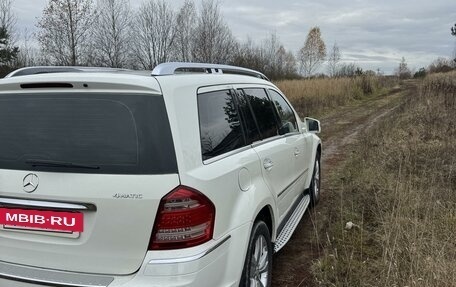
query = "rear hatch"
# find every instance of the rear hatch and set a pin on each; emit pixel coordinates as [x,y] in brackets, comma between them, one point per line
[81,178]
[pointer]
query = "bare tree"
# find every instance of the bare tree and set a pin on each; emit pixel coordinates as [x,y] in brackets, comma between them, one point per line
[313,53]
[441,65]
[402,71]
[269,51]
[279,62]
[8,53]
[7,18]
[270,57]
[333,60]
[290,67]
[286,64]
[250,56]
[28,54]
[8,49]
[348,70]
[453,32]
[155,33]
[214,42]
[186,24]
[65,30]
[113,32]
[454,57]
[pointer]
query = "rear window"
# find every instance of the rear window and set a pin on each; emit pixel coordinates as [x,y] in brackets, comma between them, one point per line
[90,133]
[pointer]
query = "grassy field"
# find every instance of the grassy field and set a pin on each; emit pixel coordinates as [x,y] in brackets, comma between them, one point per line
[398,188]
[314,97]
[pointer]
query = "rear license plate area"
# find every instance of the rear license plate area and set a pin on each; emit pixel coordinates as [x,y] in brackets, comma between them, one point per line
[42,221]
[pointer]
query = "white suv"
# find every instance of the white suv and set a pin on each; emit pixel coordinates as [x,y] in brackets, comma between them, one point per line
[192,176]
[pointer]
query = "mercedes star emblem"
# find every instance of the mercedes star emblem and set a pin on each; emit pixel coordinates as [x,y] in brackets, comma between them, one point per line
[30,182]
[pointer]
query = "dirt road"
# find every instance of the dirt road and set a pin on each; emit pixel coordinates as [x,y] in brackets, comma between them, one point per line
[341,130]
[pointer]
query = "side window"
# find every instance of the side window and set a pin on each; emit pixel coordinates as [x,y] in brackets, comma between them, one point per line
[250,126]
[220,128]
[263,111]
[287,117]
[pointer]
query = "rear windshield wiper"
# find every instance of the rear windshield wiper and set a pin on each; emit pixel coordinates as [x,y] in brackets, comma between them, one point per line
[53,163]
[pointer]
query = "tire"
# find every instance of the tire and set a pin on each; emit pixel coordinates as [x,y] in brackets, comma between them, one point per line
[314,189]
[258,274]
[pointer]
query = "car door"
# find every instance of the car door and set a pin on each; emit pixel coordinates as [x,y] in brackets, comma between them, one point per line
[275,151]
[289,128]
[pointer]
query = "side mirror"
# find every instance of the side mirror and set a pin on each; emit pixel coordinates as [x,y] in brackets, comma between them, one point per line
[313,125]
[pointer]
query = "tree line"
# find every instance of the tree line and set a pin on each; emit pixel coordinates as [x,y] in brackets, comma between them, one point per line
[111,33]
[439,65]
[8,51]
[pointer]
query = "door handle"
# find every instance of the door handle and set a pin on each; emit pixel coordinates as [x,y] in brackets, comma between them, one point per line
[296,152]
[268,164]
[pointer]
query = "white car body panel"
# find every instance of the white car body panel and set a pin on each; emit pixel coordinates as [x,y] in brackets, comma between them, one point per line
[116,237]
[278,153]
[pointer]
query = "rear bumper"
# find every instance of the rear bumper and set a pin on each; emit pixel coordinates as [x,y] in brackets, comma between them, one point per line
[38,276]
[216,263]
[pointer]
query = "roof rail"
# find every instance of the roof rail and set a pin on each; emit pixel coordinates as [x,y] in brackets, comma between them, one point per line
[182,67]
[59,69]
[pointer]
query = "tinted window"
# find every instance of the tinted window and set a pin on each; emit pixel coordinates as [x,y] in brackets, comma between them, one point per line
[263,110]
[247,119]
[113,132]
[287,117]
[220,128]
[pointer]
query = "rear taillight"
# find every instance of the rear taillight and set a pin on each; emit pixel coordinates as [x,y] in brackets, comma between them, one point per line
[185,218]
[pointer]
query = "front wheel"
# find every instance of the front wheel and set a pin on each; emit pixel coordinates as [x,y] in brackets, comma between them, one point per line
[258,262]
[315,183]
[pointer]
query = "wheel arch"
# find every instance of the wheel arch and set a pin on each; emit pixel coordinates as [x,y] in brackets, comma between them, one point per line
[267,216]
[316,149]
[316,153]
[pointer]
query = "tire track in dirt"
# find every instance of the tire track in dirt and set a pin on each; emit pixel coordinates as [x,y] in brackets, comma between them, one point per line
[341,130]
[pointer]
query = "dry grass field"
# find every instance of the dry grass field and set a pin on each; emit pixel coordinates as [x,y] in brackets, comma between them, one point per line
[398,188]
[314,97]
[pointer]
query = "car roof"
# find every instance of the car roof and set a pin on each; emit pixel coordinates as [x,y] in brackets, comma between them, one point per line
[207,80]
[93,78]
[170,68]
[81,81]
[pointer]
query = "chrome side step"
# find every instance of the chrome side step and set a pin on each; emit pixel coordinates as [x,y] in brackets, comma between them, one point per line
[291,224]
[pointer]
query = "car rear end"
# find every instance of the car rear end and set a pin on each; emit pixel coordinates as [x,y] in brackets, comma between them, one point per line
[90,192]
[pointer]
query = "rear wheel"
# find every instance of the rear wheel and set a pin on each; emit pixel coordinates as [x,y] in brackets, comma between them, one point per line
[314,189]
[258,262]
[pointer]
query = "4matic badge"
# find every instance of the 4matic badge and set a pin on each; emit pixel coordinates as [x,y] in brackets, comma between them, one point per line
[128,195]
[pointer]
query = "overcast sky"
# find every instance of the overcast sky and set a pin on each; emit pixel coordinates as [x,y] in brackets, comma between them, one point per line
[372,34]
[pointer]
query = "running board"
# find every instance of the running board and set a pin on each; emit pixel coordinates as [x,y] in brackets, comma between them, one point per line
[291,224]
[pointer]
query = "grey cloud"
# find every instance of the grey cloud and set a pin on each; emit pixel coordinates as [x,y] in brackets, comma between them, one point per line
[374,34]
